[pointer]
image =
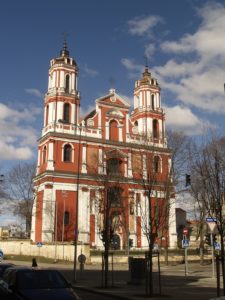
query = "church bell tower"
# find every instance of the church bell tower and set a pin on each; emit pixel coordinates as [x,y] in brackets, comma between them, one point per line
[62,100]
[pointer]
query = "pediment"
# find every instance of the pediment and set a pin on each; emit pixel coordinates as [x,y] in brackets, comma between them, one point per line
[115,153]
[113,99]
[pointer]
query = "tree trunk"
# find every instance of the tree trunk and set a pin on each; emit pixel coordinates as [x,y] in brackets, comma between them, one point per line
[106,258]
[149,282]
[222,262]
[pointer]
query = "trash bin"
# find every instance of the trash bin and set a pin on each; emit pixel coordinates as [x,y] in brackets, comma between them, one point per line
[137,270]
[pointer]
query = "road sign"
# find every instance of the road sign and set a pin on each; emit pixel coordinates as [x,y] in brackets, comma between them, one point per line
[211,223]
[217,246]
[185,231]
[82,258]
[209,219]
[185,243]
[39,244]
[1,255]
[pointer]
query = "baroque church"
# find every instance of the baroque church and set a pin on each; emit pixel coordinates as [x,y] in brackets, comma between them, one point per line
[110,167]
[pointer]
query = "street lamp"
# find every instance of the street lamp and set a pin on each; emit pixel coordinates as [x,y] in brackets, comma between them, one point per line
[77,207]
[76,231]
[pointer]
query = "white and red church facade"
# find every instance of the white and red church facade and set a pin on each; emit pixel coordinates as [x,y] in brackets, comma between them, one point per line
[82,160]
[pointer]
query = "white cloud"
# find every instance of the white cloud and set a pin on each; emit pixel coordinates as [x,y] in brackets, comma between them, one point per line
[196,76]
[142,25]
[150,50]
[10,152]
[18,137]
[182,119]
[89,71]
[34,92]
[133,68]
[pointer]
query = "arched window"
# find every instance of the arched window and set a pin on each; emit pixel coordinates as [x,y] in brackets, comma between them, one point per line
[66,218]
[46,115]
[156,164]
[114,131]
[66,112]
[153,102]
[67,84]
[44,154]
[155,129]
[67,153]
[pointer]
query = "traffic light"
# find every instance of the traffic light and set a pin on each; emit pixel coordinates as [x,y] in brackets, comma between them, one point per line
[207,239]
[188,180]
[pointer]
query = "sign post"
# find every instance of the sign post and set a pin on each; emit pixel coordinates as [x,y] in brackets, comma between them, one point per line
[39,245]
[185,245]
[1,255]
[211,222]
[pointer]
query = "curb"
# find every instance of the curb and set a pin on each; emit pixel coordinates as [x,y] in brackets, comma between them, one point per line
[103,292]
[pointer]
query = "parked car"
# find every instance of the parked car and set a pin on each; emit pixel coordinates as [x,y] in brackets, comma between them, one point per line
[4,266]
[20,283]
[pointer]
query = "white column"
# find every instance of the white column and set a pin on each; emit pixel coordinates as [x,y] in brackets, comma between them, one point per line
[84,215]
[73,82]
[39,161]
[48,215]
[100,164]
[62,82]
[54,79]
[84,158]
[172,223]
[33,222]
[60,110]
[144,166]
[129,166]
[72,113]
[125,167]
[141,102]
[50,165]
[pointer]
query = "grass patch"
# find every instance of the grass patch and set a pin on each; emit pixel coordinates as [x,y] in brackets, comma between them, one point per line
[40,259]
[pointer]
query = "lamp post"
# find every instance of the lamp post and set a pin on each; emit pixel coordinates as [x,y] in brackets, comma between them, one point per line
[76,231]
[77,207]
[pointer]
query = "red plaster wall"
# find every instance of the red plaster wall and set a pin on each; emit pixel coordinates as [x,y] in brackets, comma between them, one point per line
[38,224]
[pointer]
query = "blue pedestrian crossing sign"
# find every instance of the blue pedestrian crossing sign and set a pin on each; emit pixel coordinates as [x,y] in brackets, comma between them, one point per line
[217,246]
[1,254]
[185,243]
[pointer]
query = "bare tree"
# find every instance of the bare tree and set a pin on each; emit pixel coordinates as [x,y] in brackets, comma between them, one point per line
[208,183]
[19,182]
[179,144]
[3,194]
[153,168]
[109,204]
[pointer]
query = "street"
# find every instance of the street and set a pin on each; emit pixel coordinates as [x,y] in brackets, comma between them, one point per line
[198,284]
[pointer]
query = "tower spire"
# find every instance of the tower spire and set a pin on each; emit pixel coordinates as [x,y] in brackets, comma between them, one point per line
[146,75]
[64,52]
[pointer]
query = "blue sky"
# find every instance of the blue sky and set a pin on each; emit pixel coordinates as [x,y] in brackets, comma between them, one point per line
[183,40]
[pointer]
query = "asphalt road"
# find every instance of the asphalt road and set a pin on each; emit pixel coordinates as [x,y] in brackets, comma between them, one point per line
[197,285]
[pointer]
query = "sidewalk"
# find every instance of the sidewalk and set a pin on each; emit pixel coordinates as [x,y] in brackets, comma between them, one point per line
[198,285]
[174,285]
